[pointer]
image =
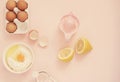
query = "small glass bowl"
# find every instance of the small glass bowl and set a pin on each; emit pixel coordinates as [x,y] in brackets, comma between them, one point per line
[43,76]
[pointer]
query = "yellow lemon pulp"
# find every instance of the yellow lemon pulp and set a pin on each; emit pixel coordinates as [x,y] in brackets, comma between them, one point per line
[66,54]
[83,46]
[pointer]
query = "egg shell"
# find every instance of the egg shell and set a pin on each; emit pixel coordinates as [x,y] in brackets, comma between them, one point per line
[11,27]
[10,16]
[11,4]
[22,5]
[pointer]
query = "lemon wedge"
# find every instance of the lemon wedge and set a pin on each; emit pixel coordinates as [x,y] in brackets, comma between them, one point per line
[66,54]
[82,46]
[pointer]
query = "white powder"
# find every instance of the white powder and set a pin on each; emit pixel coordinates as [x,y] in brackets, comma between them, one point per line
[20,66]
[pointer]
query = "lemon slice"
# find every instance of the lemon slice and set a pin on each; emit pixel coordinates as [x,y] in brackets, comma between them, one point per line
[66,54]
[82,46]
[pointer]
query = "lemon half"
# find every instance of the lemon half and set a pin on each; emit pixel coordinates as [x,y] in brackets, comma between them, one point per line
[66,54]
[82,46]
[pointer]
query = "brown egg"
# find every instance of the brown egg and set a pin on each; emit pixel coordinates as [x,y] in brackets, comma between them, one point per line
[22,16]
[11,4]
[22,5]
[11,27]
[10,16]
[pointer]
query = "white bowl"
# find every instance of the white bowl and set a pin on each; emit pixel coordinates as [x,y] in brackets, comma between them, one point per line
[6,65]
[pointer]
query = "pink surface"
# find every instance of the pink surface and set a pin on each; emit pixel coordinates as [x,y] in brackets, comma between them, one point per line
[100,23]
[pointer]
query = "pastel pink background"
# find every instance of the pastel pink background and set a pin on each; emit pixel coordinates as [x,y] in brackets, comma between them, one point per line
[100,23]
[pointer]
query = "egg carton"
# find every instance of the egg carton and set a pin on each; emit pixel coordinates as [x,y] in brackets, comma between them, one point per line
[22,27]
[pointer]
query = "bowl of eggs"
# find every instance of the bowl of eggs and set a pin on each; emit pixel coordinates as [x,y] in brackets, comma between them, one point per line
[17,16]
[18,58]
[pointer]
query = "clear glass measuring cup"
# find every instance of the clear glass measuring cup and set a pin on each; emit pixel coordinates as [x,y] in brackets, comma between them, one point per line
[43,76]
[69,25]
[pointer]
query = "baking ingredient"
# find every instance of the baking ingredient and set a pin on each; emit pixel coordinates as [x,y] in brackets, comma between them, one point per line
[11,27]
[34,35]
[43,42]
[82,46]
[11,4]
[10,16]
[22,16]
[18,58]
[22,5]
[66,54]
